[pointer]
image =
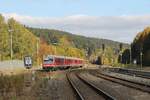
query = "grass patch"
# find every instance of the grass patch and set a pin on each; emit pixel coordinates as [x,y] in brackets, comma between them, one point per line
[11,86]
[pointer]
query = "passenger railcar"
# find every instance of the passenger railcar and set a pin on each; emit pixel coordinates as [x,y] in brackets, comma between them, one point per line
[62,62]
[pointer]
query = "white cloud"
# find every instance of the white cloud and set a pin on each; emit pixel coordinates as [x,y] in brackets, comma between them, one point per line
[119,28]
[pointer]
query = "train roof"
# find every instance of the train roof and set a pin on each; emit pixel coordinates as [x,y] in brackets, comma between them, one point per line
[65,57]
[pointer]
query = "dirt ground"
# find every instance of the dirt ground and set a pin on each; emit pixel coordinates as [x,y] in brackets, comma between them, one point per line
[43,86]
[55,86]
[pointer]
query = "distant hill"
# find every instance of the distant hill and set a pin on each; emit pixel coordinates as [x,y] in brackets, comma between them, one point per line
[77,41]
[82,46]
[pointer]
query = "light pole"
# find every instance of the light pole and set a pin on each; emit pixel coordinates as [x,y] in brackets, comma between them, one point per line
[103,48]
[11,44]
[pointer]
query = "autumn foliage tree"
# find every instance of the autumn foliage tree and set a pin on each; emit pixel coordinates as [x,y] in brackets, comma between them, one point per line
[45,49]
[23,41]
[141,44]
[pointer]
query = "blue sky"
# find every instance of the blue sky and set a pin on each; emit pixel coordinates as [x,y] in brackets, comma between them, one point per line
[58,8]
[118,20]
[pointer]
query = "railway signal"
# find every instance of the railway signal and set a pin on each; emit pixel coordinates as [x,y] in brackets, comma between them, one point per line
[28,62]
[103,47]
[131,53]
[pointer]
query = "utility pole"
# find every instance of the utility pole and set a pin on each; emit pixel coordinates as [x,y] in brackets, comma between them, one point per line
[11,48]
[55,44]
[103,55]
[11,44]
[141,55]
[131,53]
[37,50]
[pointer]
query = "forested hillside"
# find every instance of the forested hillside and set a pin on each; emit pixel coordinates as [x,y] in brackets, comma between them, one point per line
[87,43]
[87,47]
[141,44]
[78,41]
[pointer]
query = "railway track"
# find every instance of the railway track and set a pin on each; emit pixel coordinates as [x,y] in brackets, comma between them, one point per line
[85,90]
[131,72]
[79,96]
[128,83]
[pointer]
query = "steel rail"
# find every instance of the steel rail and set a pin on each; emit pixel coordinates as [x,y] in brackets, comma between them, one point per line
[80,97]
[100,91]
[131,84]
[131,72]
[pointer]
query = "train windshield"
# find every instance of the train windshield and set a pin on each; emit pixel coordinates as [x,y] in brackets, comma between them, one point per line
[48,60]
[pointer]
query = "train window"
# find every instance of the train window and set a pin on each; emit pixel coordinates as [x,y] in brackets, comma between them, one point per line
[60,60]
[48,61]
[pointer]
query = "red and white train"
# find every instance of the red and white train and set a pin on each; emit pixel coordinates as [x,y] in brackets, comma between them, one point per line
[62,62]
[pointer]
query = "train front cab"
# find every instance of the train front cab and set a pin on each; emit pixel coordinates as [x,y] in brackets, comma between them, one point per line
[48,63]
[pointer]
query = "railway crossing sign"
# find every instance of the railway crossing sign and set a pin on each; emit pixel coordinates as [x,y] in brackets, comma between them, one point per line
[28,62]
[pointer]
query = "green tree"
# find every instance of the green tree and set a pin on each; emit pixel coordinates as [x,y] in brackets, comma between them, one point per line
[24,42]
[4,39]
